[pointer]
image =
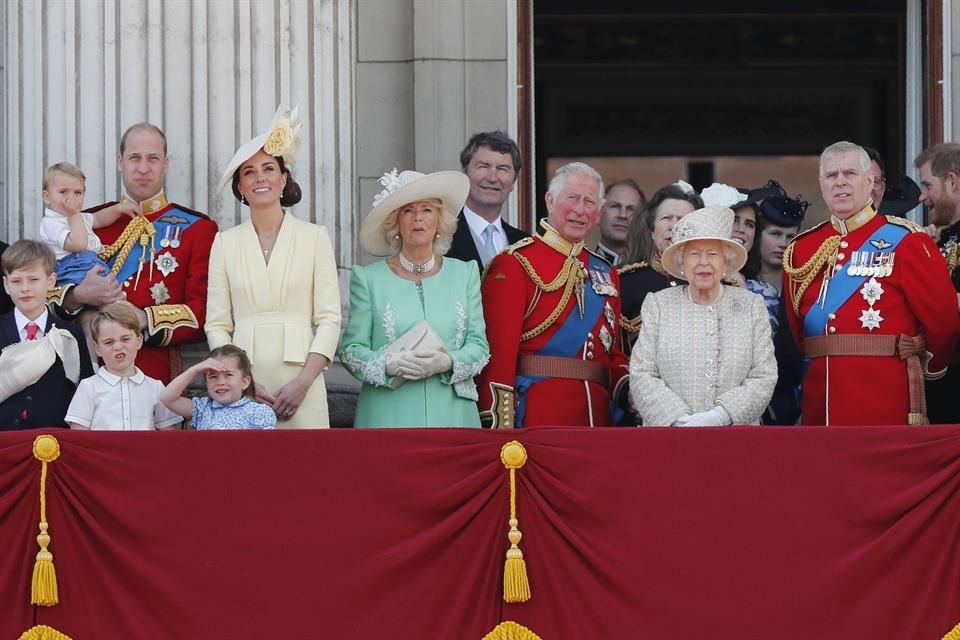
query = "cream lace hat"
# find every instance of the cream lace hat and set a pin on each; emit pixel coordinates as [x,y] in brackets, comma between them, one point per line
[709,223]
[282,140]
[449,187]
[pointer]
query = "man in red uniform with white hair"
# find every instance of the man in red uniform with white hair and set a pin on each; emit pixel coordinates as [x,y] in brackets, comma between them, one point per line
[552,310]
[869,301]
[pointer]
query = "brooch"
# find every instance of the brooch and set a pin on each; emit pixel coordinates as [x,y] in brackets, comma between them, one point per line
[159,293]
[167,263]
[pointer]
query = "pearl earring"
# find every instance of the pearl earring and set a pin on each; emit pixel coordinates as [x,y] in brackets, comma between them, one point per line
[243,199]
[396,236]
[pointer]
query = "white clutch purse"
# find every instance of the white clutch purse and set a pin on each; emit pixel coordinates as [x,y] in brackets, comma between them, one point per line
[420,336]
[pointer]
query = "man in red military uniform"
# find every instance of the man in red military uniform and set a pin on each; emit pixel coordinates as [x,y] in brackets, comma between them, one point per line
[552,310]
[160,258]
[869,301]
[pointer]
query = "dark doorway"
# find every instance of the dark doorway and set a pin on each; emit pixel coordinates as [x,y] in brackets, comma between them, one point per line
[742,89]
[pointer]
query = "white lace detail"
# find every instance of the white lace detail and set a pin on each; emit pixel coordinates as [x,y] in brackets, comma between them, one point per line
[372,372]
[463,371]
[389,324]
[461,325]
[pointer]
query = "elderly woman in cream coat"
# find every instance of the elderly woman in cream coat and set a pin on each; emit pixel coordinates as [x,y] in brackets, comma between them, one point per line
[272,287]
[704,356]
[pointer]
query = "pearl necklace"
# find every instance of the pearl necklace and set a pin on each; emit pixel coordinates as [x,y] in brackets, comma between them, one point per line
[418,268]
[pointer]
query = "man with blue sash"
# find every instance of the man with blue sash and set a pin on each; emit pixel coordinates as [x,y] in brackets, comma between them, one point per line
[159,258]
[552,310]
[869,301]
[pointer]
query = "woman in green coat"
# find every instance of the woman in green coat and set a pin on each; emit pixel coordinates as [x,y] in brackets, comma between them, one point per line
[416,336]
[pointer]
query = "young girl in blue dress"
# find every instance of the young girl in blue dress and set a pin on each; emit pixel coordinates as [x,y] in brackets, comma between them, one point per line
[231,402]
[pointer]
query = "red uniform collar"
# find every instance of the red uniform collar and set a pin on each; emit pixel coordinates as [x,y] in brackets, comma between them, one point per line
[854,222]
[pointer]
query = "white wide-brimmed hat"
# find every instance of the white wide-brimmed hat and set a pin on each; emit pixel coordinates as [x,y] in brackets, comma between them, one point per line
[449,187]
[282,140]
[709,223]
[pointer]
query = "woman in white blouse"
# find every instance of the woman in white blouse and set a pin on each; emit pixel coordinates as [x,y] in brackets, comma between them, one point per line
[704,356]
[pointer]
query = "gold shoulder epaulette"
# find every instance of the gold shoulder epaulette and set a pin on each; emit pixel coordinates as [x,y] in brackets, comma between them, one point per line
[519,244]
[810,230]
[912,226]
[634,266]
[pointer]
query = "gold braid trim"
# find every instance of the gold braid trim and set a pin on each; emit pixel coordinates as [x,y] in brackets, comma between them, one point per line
[803,276]
[632,325]
[570,275]
[138,230]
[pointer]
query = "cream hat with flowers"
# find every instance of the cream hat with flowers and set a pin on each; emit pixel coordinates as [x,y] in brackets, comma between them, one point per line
[709,223]
[282,140]
[449,187]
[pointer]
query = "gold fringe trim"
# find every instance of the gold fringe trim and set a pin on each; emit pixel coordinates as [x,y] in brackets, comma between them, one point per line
[570,278]
[803,276]
[953,634]
[516,585]
[43,588]
[510,630]
[140,230]
[43,632]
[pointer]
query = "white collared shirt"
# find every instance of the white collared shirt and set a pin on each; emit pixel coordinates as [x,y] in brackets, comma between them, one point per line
[23,321]
[107,402]
[55,227]
[477,226]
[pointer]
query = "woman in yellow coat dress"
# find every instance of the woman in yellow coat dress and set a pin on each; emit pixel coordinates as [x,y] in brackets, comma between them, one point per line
[273,282]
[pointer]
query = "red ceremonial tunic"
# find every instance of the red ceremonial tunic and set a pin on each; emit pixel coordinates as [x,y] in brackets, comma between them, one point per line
[174,291]
[917,296]
[514,303]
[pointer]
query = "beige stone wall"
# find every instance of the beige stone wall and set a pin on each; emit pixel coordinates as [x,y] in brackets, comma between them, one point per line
[428,74]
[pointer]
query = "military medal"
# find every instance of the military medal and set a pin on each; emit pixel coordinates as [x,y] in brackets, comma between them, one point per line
[177,233]
[608,314]
[159,293]
[602,283]
[871,291]
[167,263]
[606,338]
[165,240]
[888,267]
[870,319]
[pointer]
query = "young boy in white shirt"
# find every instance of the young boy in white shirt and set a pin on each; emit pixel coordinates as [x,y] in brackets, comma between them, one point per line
[119,397]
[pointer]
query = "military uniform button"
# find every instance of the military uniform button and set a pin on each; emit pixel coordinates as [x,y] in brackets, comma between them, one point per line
[838,267]
[843,244]
[841,256]
[831,316]
[832,330]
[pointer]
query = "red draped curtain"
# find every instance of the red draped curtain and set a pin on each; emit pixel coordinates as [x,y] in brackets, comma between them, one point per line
[731,534]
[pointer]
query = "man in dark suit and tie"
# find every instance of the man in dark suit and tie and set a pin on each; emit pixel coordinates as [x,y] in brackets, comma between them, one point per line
[492,162]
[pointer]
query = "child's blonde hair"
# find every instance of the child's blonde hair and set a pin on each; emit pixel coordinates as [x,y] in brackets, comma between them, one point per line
[65,168]
[123,313]
[24,253]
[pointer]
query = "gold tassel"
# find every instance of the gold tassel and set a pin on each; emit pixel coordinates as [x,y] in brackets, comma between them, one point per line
[43,632]
[510,630]
[43,591]
[516,585]
[953,634]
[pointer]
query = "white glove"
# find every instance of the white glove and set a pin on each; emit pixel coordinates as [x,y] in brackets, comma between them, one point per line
[426,363]
[716,417]
[682,421]
[393,362]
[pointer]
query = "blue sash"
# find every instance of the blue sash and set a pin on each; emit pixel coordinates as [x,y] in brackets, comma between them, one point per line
[843,285]
[567,340]
[164,225]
